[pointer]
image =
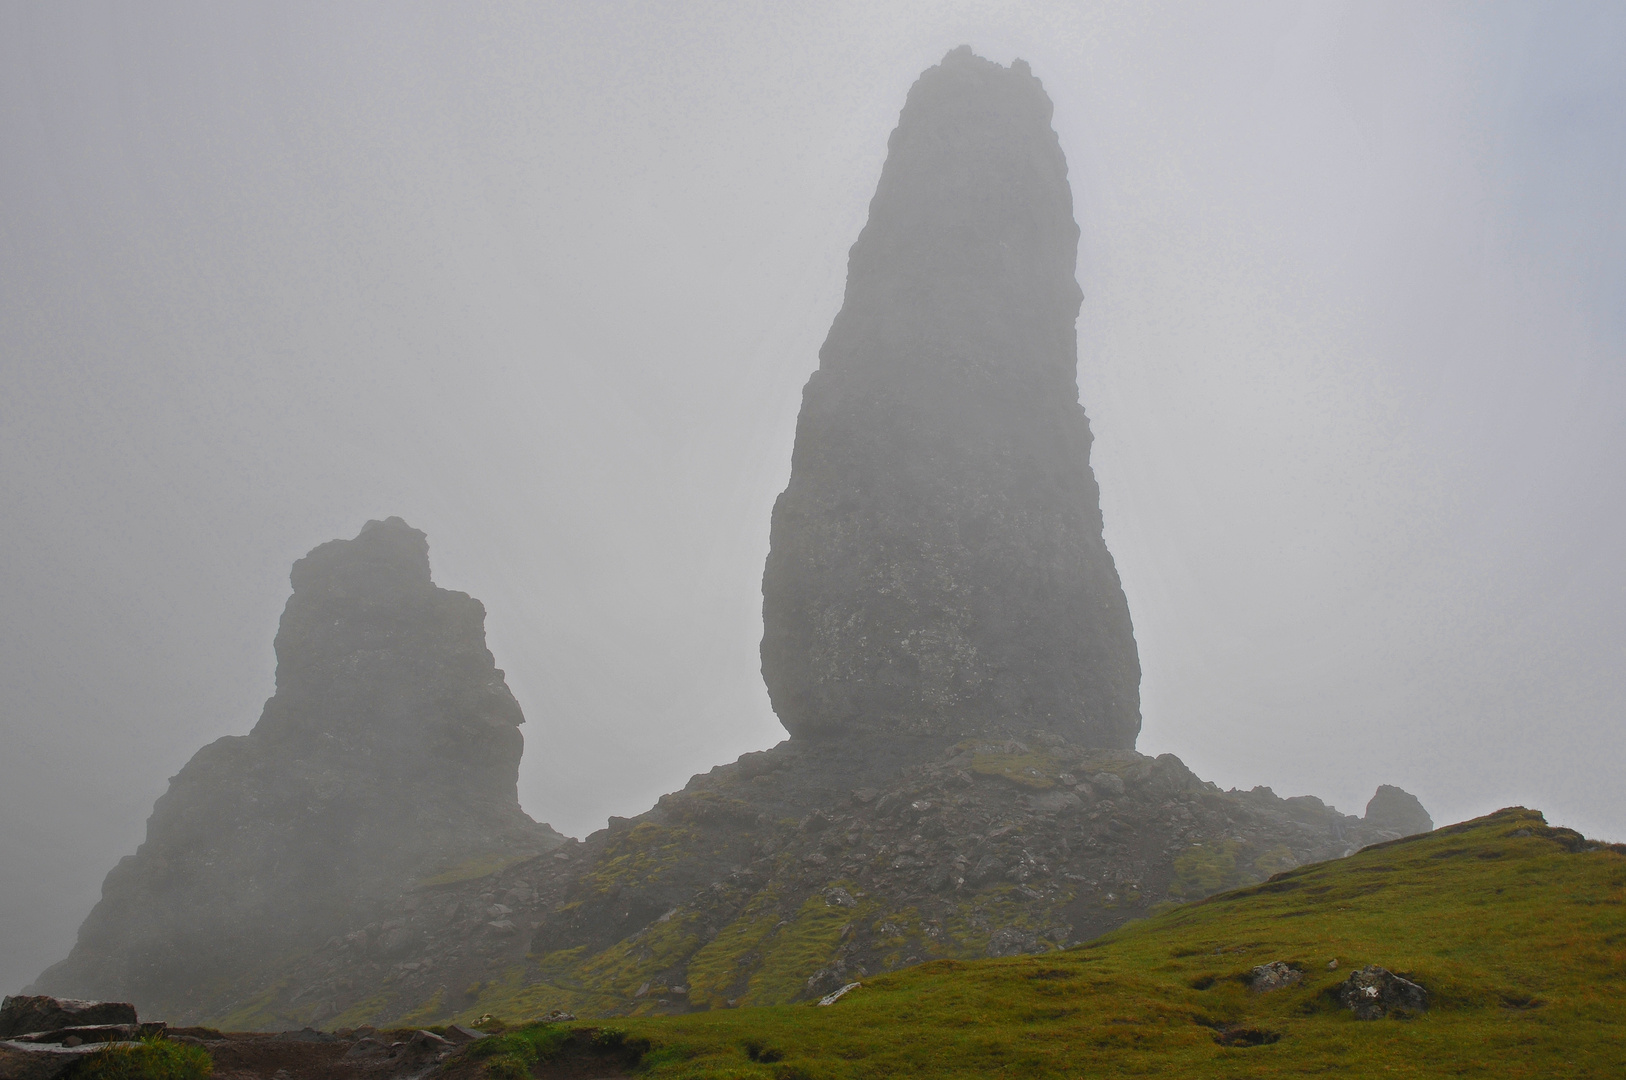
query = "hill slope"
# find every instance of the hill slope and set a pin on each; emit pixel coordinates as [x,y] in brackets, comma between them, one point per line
[1516,929]
[771,881]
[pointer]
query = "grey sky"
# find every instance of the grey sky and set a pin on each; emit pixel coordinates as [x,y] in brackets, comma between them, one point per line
[546,280]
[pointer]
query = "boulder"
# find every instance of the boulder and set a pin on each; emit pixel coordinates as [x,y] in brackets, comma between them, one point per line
[1374,992]
[22,1014]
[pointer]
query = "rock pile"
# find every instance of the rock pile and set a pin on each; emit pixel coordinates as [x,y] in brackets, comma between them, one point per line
[389,752]
[936,563]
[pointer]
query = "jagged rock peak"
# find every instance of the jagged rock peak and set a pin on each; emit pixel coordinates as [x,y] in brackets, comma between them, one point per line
[937,564]
[389,753]
[1397,810]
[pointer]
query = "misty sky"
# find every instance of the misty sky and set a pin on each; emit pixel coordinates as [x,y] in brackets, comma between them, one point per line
[546,280]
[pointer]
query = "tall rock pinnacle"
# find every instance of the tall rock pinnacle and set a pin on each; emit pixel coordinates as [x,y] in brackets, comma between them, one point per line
[937,563]
[389,752]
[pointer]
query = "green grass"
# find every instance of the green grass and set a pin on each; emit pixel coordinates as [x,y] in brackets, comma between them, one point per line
[513,1054]
[154,1058]
[1517,930]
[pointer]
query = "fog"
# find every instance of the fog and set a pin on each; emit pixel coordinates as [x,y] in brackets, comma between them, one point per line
[546,281]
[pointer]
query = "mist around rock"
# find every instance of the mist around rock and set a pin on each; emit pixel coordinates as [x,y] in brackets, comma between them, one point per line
[945,639]
[389,752]
[936,563]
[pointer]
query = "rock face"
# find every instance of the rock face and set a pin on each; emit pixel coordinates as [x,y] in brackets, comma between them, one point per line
[937,563]
[1397,811]
[390,751]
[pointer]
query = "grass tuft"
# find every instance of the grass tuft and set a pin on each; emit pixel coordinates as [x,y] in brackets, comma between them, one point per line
[154,1058]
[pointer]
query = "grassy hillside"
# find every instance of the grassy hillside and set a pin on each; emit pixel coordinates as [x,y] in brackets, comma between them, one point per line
[1517,930]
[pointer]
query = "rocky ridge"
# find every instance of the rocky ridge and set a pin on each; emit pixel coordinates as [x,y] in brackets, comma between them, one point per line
[750,888]
[389,752]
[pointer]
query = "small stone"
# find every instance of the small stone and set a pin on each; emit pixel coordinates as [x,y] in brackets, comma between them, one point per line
[1332,965]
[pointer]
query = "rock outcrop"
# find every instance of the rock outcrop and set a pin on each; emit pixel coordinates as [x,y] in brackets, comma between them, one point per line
[22,1015]
[390,752]
[1397,811]
[937,564]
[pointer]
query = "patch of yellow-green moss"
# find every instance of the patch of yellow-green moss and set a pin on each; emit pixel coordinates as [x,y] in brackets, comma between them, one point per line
[1204,869]
[1031,769]
[722,967]
[367,1011]
[1275,861]
[261,1012]
[970,929]
[625,967]
[640,856]
[431,1011]
[794,951]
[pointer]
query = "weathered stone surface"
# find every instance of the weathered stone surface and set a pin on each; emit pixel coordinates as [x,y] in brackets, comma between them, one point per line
[1273,976]
[389,751]
[937,563]
[1397,811]
[23,1014]
[1374,992]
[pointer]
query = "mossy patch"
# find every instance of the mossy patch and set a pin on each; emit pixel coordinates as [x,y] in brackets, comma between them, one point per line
[1028,769]
[640,856]
[1204,869]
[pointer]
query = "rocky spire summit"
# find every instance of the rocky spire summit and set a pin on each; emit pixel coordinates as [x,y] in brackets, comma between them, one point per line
[389,752]
[937,564]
